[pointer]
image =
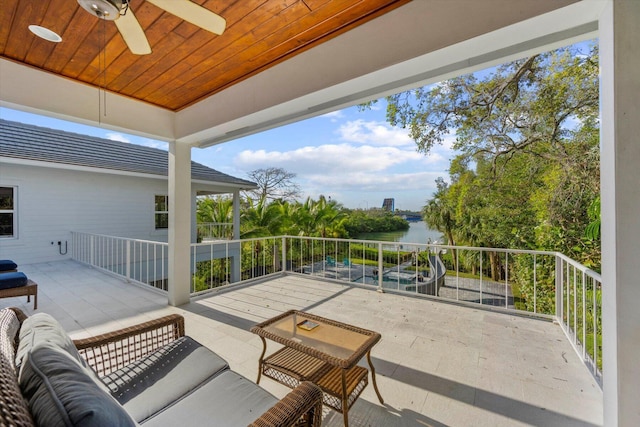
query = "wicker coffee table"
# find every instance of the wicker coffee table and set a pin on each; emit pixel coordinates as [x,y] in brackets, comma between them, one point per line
[319,350]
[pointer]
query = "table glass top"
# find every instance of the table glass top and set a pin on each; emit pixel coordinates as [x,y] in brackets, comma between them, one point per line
[335,340]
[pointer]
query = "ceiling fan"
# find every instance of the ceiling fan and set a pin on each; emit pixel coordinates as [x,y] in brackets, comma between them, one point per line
[132,32]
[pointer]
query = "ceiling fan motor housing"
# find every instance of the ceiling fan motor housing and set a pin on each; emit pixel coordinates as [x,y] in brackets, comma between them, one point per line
[104,9]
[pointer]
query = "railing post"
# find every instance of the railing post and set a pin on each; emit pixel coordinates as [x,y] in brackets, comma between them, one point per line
[283,264]
[558,284]
[380,268]
[128,259]
[91,251]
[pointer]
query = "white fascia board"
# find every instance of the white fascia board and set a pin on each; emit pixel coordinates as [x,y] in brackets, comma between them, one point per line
[211,185]
[277,96]
[223,186]
[29,89]
[79,168]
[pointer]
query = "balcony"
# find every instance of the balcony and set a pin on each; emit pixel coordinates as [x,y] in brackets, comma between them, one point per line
[438,363]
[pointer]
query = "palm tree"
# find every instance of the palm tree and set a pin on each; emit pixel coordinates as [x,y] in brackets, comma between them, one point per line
[215,210]
[323,218]
[261,219]
[439,214]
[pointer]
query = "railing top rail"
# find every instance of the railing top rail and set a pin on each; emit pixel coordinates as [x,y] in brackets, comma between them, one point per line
[429,245]
[226,242]
[214,223]
[584,269]
[154,242]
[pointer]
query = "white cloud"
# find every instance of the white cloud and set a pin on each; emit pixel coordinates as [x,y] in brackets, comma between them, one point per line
[113,136]
[334,115]
[330,158]
[372,182]
[116,136]
[160,145]
[372,160]
[374,133]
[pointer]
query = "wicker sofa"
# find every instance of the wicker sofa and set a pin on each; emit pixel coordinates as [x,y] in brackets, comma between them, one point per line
[150,374]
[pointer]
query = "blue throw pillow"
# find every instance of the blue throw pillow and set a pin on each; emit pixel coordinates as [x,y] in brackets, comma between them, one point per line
[60,393]
[7,265]
[12,280]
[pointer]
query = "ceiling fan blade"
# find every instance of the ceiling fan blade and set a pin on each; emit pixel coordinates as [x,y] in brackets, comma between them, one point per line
[133,34]
[193,13]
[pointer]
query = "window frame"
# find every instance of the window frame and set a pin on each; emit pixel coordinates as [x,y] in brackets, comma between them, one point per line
[157,213]
[13,211]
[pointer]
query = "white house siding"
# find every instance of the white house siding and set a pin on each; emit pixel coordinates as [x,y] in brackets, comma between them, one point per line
[53,202]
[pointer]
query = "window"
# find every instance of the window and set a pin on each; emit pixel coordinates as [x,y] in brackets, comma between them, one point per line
[162,212]
[8,217]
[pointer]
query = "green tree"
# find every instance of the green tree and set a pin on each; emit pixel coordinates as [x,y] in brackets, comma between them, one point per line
[214,209]
[261,219]
[322,218]
[516,107]
[373,220]
[439,214]
[527,169]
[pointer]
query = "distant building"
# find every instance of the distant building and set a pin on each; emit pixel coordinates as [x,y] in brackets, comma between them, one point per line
[389,205]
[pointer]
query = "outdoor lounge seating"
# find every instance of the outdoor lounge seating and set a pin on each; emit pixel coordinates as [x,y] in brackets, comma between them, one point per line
[16,284]
[149,374]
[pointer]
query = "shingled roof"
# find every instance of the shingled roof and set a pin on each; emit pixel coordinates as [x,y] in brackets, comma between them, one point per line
[29,142]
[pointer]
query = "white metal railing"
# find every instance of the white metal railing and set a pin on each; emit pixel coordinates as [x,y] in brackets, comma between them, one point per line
[216,264]
[208,231]
[143,261]
[579,310]
[539,283]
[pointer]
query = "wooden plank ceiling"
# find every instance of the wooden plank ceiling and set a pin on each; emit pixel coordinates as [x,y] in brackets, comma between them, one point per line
[187,63]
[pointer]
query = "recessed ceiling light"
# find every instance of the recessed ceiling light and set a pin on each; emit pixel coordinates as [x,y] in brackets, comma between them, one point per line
[45,33]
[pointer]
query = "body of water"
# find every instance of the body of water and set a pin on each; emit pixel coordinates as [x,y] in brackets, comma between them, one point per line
[417,233]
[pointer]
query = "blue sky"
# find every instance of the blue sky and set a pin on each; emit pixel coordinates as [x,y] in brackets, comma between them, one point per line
[352,156]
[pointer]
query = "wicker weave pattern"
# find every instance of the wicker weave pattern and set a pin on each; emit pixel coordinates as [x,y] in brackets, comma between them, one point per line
[301,407]
[13,408]
[340,378]
[290,367]
[111,351]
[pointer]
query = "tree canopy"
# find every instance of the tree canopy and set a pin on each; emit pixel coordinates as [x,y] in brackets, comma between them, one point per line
[526,141]
[274,184]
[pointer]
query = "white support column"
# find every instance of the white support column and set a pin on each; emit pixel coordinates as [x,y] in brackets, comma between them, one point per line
[179,223]
[619,29]
[236,214]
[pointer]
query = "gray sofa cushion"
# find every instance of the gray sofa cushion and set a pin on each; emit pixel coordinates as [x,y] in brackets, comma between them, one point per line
[60,393]
[154,382]
[228,400]
[43,329]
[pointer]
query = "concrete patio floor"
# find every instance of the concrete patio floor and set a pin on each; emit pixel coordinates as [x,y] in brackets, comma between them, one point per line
[437,364]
